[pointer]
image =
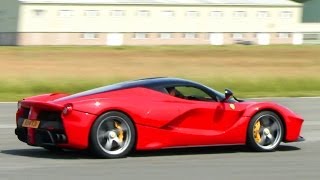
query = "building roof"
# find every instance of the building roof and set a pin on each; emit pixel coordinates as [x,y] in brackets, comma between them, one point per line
[173,2]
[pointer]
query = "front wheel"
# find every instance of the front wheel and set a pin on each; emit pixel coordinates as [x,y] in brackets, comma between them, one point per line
[112,135]
[265,131]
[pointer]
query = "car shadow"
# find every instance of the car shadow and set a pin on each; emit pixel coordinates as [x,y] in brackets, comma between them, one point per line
[206,150]
[75,154]
[42,153]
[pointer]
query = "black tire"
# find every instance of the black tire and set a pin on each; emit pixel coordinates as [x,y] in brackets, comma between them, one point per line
[112,135]
[265,131]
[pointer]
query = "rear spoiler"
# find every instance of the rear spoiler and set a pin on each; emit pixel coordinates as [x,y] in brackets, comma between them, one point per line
[42,105]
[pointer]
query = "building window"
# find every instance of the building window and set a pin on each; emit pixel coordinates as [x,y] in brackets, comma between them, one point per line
[91,13]
[38,12]
[237,36]
[263,14]
[165,35]
[140,36]
[216,14]
[190,35]
[284,35]
[286,14]
[311,36]
[143,13]
[117,13]
[65,13]
[192,13]
[89,35]
[239,14]
[167,13]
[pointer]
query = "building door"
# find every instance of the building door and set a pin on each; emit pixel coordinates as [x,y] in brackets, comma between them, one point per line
[263,38]
[114,39]
[34,39]
[297,38]
[216,39]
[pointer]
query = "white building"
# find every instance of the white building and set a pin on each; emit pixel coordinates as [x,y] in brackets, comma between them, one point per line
[311,22]
[149,22]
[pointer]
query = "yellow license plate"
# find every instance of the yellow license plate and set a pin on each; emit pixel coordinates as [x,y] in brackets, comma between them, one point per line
[31,123]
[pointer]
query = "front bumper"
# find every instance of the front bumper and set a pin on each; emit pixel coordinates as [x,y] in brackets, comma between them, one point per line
[293,129]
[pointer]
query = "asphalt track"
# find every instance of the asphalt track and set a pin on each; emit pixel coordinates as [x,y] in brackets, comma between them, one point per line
[291,161]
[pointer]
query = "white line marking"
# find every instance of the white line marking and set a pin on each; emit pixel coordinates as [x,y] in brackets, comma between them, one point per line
[308,97]
[8,102]
[7,126]
[316,97]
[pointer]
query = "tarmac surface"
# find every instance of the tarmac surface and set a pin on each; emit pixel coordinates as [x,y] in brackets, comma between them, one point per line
[292,161]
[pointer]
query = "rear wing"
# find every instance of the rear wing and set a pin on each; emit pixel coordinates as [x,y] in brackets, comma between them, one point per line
[41,105]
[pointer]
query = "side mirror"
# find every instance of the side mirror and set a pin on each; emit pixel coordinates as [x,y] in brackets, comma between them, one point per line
[227,93]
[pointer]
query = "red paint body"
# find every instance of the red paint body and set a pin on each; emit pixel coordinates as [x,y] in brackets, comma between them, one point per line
[161,120]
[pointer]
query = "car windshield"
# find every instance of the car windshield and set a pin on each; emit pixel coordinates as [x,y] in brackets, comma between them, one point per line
[221,96]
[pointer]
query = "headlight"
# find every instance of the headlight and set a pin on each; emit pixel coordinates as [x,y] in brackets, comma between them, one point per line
[19,105]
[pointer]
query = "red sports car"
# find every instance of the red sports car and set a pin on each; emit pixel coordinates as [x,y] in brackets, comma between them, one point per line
[153,113]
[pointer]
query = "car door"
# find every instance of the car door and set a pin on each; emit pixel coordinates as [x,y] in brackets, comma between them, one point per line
[202,119]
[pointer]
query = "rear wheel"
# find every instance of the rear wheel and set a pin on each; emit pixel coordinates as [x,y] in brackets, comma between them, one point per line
[112,135]
[265,131]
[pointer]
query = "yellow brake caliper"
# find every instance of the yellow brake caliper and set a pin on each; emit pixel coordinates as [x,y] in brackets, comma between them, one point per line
[120,135]
[256,129]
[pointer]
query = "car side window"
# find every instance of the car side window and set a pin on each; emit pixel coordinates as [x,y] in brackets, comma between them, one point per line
[189,93]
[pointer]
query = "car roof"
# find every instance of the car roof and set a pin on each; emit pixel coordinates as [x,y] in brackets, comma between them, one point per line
[159,81]
[151,83]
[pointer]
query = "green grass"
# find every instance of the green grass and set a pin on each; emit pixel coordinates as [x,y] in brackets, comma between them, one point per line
[250,71]
[242,87]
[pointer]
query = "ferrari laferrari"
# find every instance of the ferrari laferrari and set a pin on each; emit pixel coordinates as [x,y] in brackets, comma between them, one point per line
[152,114]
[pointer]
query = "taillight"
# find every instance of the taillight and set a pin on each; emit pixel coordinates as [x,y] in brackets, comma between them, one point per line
[67,109]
